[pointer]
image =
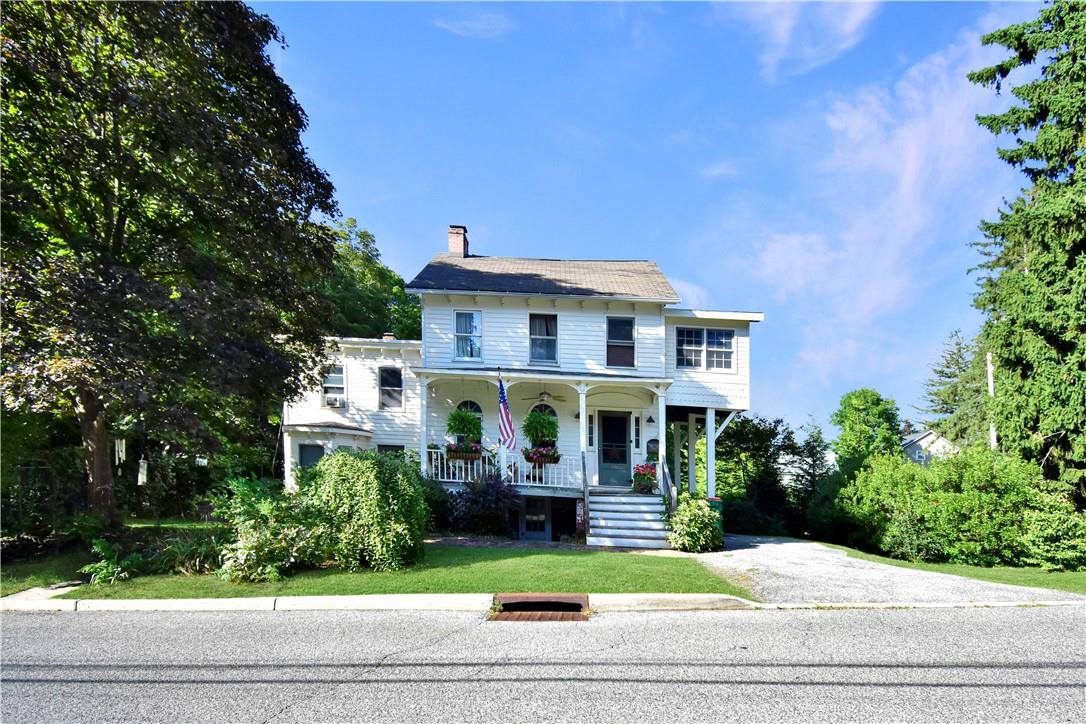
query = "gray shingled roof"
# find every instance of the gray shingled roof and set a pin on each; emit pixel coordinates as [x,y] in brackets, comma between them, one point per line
[585,278]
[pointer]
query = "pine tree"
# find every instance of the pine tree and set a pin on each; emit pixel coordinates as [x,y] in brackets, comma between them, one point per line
[1034,288]
[954,393]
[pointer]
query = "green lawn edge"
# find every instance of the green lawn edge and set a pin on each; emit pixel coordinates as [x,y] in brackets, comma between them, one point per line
[21,575]
[456,569]
[1030,577]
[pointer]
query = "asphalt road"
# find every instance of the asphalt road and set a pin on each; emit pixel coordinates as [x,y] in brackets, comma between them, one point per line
[998,664]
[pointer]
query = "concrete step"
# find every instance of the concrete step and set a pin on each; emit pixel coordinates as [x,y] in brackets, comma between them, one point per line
[609,542]
[624,498]
[627,532]
[625,508]
[593,514]
[609,522]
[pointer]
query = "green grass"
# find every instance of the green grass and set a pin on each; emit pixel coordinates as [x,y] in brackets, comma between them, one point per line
[21,575]
[1071,581]
[457,569]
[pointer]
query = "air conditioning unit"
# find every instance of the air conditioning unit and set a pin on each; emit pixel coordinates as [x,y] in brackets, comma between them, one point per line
[333,401]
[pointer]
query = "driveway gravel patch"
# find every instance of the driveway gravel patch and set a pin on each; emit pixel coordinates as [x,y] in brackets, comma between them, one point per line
[786,570]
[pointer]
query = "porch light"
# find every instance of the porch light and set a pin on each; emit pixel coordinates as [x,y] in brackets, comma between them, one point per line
[650,420]
[577,415]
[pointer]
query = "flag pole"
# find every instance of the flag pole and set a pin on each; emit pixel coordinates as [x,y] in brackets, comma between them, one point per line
[502,460]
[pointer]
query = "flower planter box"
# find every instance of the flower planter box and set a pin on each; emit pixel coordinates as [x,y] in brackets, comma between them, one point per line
[538,458]
[467,455]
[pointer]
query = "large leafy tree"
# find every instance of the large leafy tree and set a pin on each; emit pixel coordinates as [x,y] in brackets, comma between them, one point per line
[954,393]
[160,254]
[1034,287]
[367,297]
[870,425]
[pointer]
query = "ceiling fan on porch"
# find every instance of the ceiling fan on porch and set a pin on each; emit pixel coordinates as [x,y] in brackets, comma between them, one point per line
[545,396]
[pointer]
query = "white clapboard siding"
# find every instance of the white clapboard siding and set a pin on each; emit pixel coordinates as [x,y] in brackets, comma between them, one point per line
[582,333]
[721,389]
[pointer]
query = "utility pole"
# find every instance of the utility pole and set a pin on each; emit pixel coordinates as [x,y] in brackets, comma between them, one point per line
[991,393]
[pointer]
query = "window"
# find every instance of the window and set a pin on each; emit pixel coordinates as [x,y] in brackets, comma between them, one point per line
[333,386]
[719,345]
[688,343]
[543,337]
[474,408]
[469,335]
[591,431]
[711,349]
[545,409]
[308,455]
[391,388]
[620,342]
[637,432]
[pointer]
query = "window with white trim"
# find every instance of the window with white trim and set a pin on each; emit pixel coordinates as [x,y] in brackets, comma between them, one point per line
[637,432]
[543,338]
[390,382]
[620,342]
[591,431]
[468,334]
[333,385]
[698,348]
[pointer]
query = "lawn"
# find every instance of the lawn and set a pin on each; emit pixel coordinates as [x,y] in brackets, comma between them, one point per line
[457,569]
[21,575]
[1072,581]
[173,524]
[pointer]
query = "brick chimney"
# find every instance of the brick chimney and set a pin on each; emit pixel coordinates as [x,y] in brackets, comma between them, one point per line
[388,337]
[458,240]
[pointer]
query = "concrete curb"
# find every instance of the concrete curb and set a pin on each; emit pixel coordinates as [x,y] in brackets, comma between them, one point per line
[478,602]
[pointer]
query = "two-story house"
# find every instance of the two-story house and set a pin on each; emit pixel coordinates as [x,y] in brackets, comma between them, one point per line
[598,344]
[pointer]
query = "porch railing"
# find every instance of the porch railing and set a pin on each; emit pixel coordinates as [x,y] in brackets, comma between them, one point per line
[667,487]
[566,473]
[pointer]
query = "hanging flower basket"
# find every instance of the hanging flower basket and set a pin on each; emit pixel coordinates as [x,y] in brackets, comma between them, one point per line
[540,456]
[470,451]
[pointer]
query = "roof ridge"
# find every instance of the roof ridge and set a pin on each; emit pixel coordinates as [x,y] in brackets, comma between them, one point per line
[542,258]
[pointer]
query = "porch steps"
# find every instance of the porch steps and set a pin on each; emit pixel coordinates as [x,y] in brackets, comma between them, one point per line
[618,518]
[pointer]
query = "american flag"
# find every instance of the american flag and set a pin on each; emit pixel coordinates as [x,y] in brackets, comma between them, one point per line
[507,434]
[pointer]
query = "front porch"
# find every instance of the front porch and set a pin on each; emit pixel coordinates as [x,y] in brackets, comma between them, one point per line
[607,424]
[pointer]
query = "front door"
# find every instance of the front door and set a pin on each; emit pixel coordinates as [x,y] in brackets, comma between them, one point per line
[614,447]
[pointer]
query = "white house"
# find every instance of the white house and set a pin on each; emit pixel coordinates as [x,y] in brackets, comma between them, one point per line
[923,447]
[599,344]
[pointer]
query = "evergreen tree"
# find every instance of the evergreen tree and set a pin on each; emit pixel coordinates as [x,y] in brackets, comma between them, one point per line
[1034,285]
[955,392]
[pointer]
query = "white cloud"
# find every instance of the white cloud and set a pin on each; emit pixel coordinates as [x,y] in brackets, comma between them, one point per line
[694,296]
[482,25]
[799,38]
[720,169]
[900,176]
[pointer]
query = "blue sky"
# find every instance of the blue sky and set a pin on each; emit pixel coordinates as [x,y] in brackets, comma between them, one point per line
[820,163]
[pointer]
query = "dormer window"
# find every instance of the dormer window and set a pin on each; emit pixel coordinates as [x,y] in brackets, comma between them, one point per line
[332,389]
[543,338]
[469,335]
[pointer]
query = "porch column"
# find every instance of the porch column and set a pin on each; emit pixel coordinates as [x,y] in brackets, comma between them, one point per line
[582,412]
[676,459]
[692,453]
[424,400]
[710,452]
[661,416]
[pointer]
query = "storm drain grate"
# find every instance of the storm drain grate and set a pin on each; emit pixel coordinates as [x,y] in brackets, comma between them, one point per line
[540,607]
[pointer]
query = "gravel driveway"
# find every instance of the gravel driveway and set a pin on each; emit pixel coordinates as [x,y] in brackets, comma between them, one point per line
[785,570]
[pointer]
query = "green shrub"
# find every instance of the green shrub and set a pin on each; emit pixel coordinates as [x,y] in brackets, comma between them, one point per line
[437,506]
[115,565]
[483,507]
[274,534]
[695,527]
[189,553]
[372,509]
[978,507]
[1056,541]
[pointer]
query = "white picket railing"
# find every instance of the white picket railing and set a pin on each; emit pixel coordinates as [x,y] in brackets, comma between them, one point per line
[566,473]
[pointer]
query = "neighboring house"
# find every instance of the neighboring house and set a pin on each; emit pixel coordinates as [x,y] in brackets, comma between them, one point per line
[598,344]
[923,447]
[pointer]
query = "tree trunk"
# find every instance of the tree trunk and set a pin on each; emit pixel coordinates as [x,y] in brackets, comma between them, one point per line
[92,426]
